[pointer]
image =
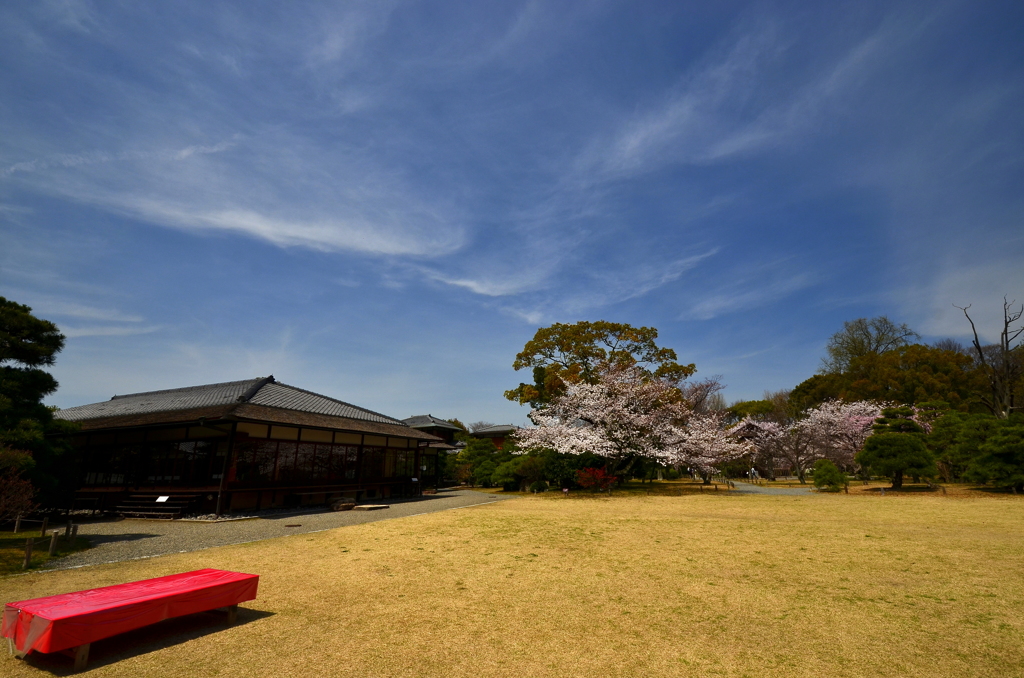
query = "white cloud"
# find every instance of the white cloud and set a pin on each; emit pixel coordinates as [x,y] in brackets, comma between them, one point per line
[705,119]
[56,307]
[748,293]
[107,330]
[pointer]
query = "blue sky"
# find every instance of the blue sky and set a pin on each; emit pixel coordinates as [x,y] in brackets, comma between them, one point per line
[382,201]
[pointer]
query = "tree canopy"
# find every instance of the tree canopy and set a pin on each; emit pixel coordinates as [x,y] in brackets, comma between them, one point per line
[28,343]
[897,447]
[906,375]
[564,354]
[861,337]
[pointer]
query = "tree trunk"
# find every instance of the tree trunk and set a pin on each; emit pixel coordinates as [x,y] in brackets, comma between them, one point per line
[897,480]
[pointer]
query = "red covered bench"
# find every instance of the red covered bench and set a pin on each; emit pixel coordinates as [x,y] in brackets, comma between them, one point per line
[71,621]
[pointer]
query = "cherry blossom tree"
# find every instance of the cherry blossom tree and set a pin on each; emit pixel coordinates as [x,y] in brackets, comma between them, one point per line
[764,438]
[705,445]
[625,416]
[837,430]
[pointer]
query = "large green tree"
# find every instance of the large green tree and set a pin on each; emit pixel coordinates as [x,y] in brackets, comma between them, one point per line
[27,344]
[570,353]
[1000,459]
[955,440]
[906,375]
[862,337]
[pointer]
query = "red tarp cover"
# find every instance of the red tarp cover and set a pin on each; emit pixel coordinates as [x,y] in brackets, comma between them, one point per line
[60,622]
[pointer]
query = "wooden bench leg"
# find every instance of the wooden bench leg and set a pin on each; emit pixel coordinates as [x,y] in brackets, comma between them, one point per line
[232,614]
[81,657]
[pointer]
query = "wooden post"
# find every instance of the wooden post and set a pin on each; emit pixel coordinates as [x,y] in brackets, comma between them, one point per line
[232,614]
[53,542]
[81,657]
[42,532]
[28,553]
[67,531]
[17,523]
[228,461]
[74,532]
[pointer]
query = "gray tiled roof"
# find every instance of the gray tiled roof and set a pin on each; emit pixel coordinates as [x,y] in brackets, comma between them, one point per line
[428,421]
[261,391]
[497,429]
[291,398]
[161,401]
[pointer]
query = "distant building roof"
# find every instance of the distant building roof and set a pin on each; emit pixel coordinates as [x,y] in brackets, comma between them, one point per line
[261,398]
[429,421]
[496,430]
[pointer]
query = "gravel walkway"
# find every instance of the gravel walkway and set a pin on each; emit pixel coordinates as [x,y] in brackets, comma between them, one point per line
[131,539]
[747,488]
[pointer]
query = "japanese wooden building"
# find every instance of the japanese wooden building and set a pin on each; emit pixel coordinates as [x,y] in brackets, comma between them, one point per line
[244,445]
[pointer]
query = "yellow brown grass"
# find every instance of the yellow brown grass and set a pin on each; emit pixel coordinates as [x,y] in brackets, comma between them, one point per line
[728,585]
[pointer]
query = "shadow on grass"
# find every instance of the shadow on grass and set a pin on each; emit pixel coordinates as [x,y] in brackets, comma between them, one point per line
[142,641]
[12,551]
[663,488]
[97,539]
[906,489]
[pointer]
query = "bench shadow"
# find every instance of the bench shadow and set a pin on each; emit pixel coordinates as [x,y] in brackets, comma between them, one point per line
[167,633]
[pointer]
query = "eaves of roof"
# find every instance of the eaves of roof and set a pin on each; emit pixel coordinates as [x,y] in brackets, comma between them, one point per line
[284,416]
[153,418]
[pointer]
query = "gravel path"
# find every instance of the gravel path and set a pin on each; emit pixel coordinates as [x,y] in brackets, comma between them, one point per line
[132,539]
[747,488]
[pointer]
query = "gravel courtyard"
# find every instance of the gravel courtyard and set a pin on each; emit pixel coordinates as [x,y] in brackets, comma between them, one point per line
[131,539]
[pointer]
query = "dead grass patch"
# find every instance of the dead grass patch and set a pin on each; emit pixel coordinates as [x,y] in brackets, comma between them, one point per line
[727,585]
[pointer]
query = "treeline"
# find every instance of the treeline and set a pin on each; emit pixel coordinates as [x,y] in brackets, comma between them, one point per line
[481,463]
[965,401]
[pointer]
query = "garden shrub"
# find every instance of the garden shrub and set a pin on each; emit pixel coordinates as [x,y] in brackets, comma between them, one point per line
[826,474]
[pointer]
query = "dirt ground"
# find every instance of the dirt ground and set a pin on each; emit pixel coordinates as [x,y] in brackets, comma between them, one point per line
[704,585]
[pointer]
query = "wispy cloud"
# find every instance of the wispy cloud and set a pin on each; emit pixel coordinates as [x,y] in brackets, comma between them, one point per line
[748,293]
[107,330]
[720,109]
[59,308]
[205,187]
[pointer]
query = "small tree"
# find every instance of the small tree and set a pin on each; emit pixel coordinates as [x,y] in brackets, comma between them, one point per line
[483,472]
[897,447]
[15,495]
[505,476]
[594,479]
[827,474]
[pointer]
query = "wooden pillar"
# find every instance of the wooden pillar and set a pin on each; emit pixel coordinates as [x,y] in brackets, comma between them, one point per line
[228,460]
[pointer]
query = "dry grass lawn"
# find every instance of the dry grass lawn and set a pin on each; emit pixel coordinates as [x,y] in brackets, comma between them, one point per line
[712,585]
